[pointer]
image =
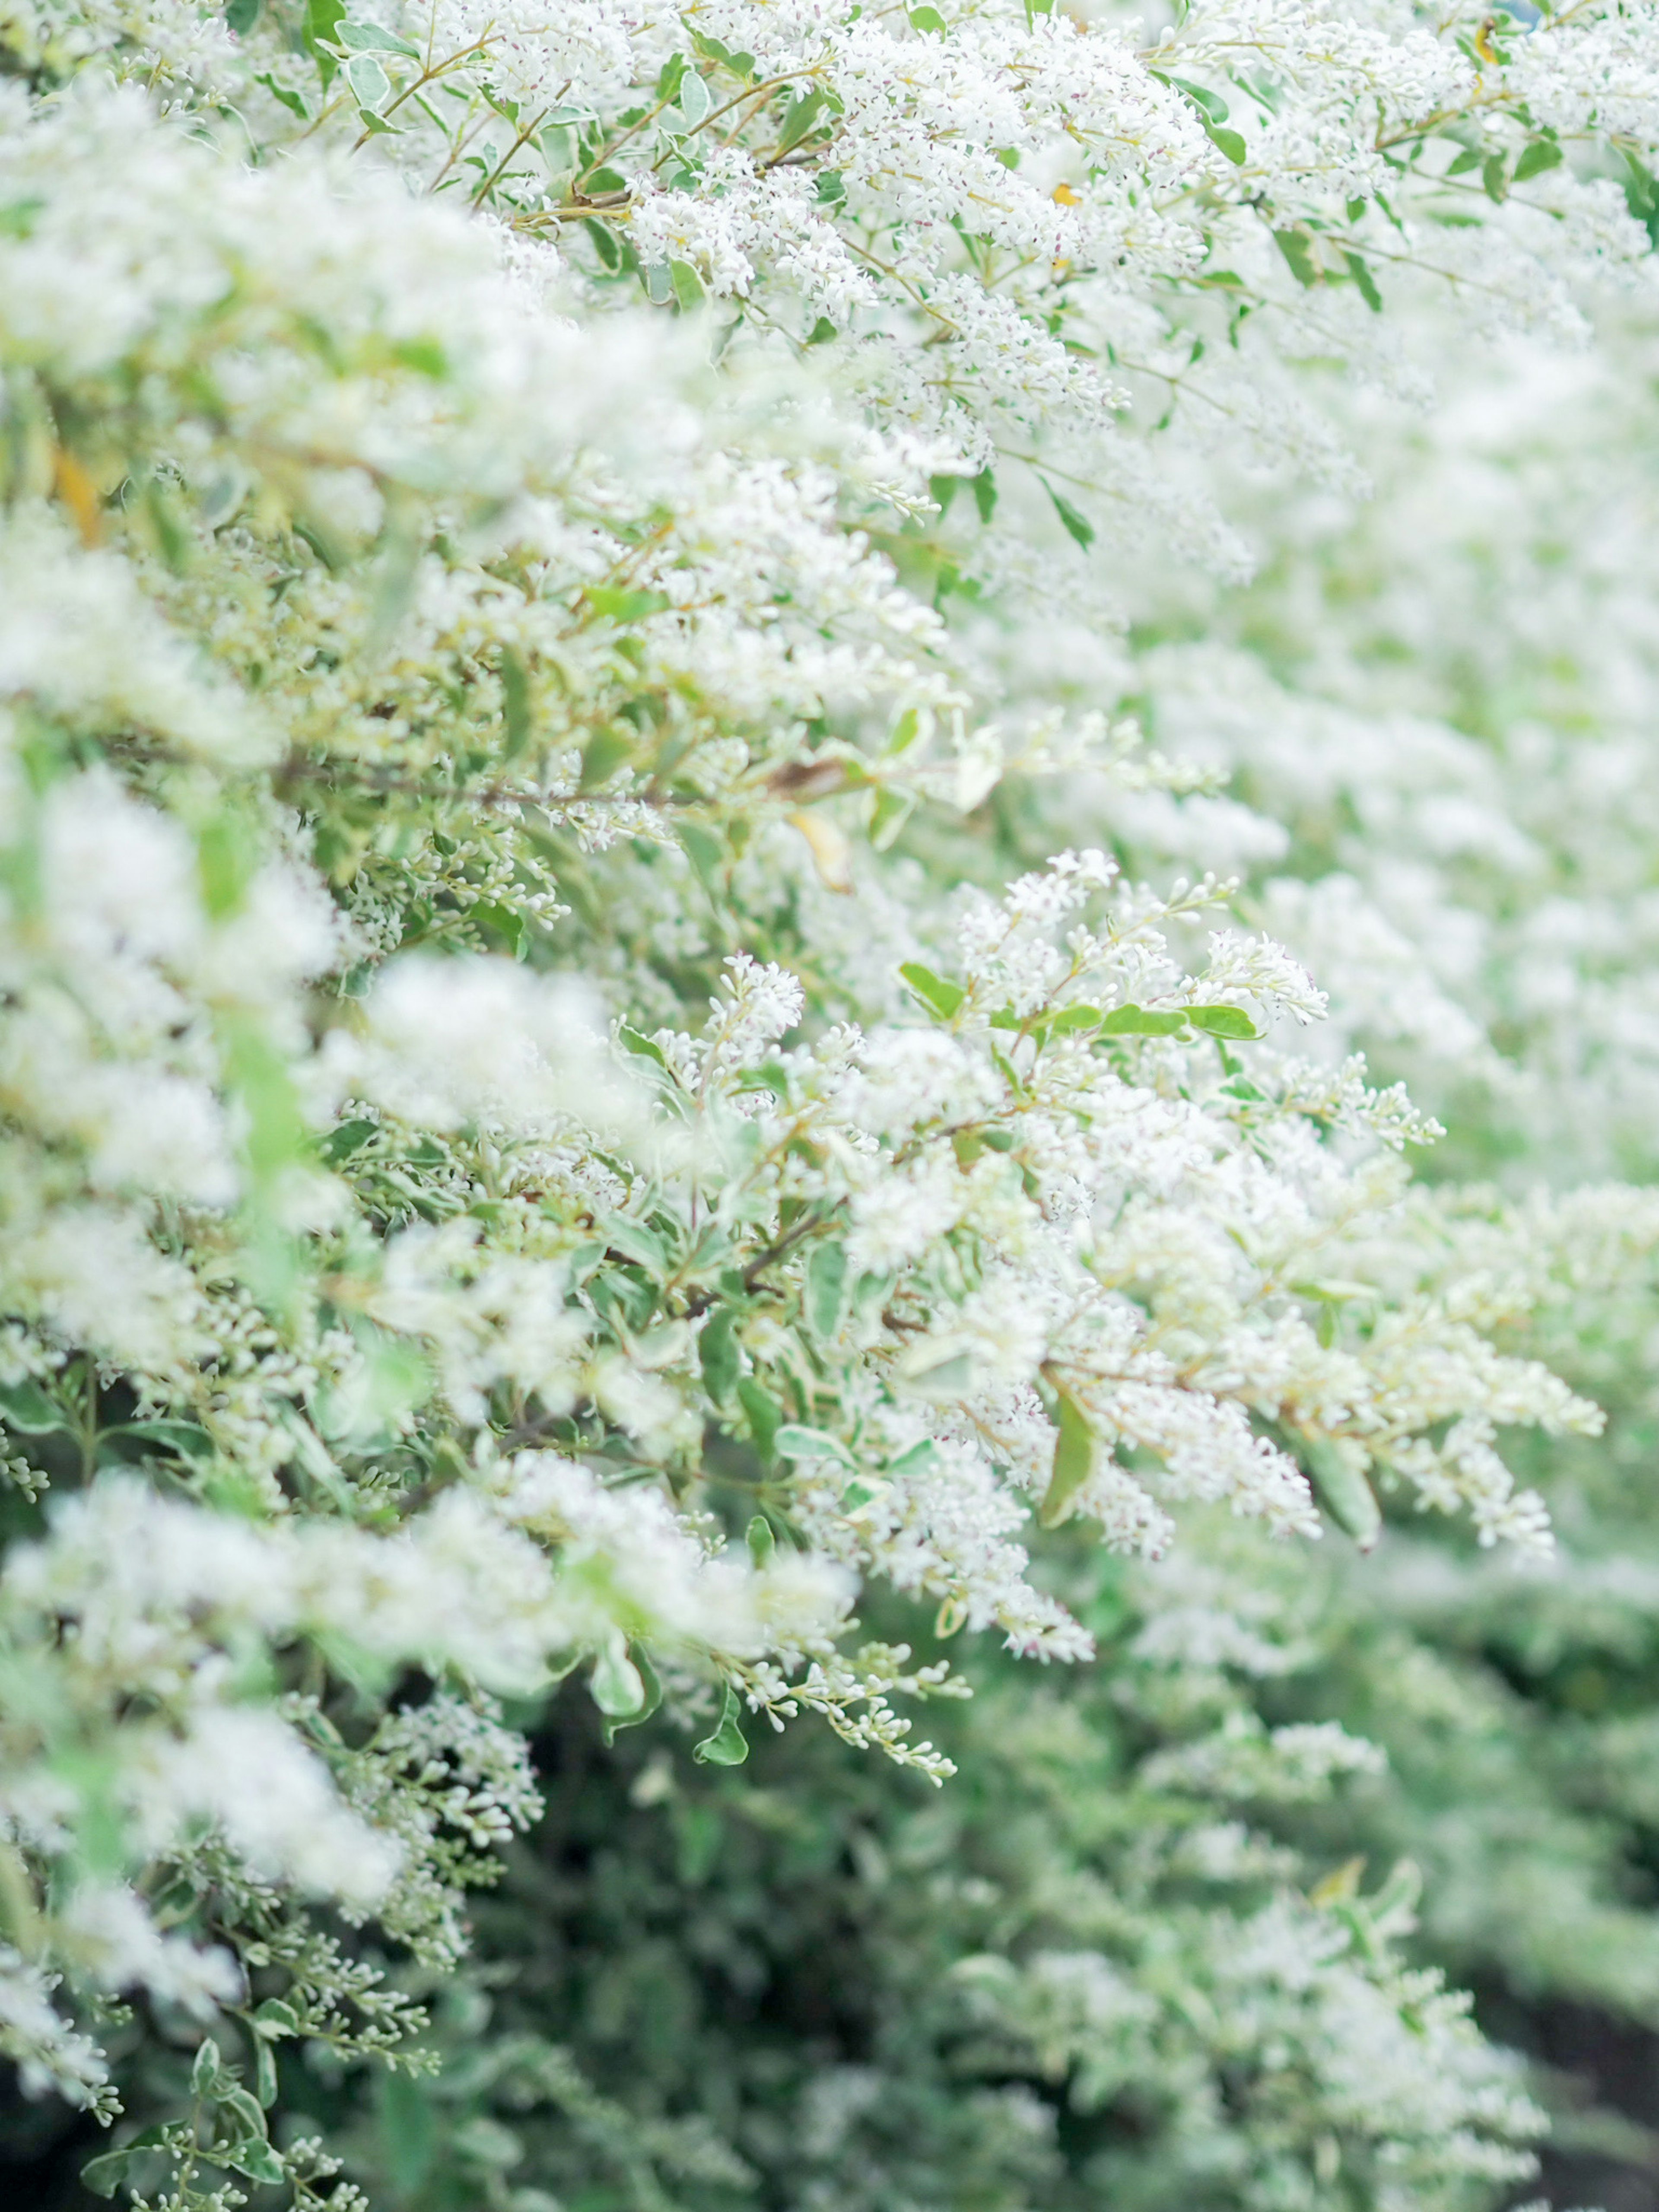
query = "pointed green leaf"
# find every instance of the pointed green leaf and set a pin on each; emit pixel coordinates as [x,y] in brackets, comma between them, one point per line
[727,1746]
[1223,1022]
[1141,1021]
[826,1288]
[1079,526]
[718,1354]
[1342,1491]
[939,997]
[1076,1455]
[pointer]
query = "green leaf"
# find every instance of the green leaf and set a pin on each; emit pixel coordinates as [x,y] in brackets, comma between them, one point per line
[1141,1021]
[105,2175]
[940,997]
[616,1683]
[1071,1018]
[984,487]
[1078,525]
[350,1137]
[707,855]
[888,816]
[366,37]
[798,118]
[1342,1491]
[321,27]
[242,16]
[1298,254]
[502,929]
[727,1746]
[636,1041]
[369,84]
[1494,179]
[1467,159]
[688,292]
[760,1540]
[696,99]
[792,1440]
[1077,1451]
[1228,142]
[830,191]
[1538,155]
[257,2161]
[624,605]
[826,1288]
[763,1413]
[142,1437]
[718,1354]
[265,2071]
[926,19]
[1223,1022]
[516,724]
[919,1459]
[25,1408]
[602,180]
[603,755]
[611,1728]
[603,243]
[1209,103]
[1367,283]
[636,1242]
[207,2074]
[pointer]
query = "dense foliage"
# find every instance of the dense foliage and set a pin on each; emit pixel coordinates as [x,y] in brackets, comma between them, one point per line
[620,1068]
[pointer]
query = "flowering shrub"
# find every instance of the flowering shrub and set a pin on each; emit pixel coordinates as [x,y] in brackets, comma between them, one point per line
[567,1109]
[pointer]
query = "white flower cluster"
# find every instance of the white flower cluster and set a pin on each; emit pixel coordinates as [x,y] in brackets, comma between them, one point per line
[422,681]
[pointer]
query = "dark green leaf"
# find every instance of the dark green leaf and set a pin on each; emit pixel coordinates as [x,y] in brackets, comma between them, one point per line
[242,16]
